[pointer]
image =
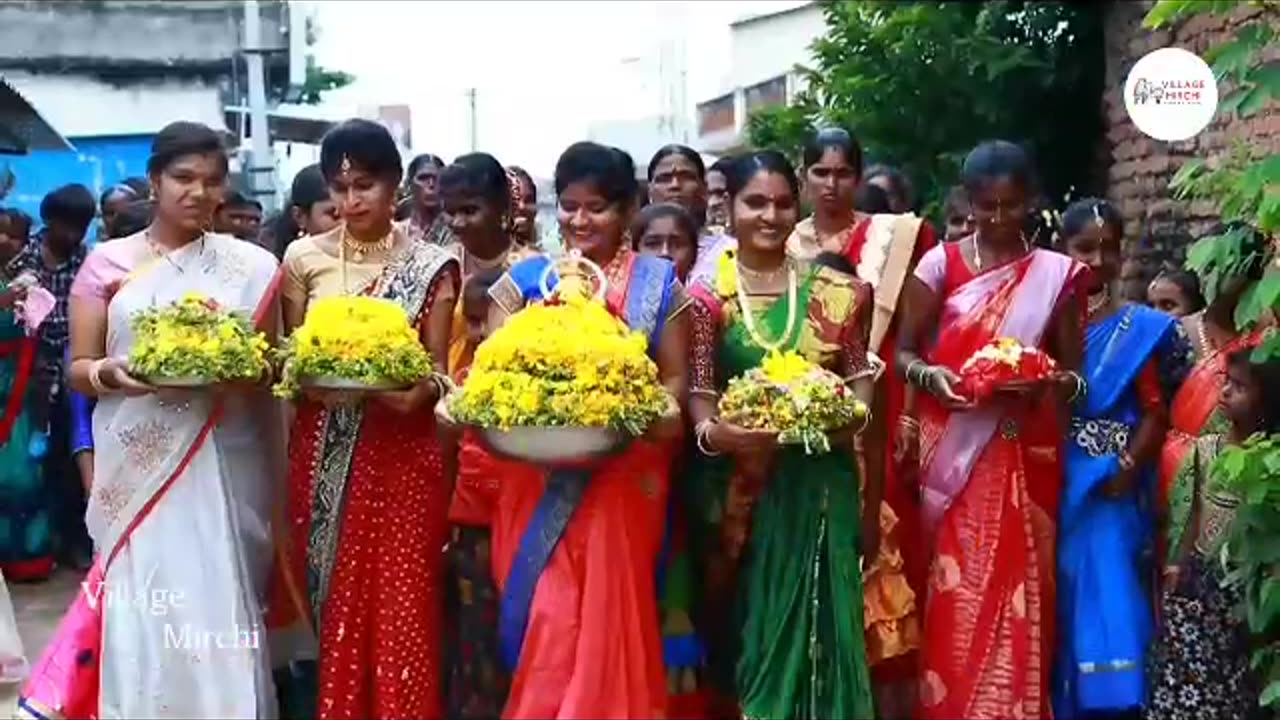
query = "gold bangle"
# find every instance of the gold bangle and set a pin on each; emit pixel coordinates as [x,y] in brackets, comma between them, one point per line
[704,393]
[869,372]
[700,432]
[95,377]
[1081,386]
[866,422]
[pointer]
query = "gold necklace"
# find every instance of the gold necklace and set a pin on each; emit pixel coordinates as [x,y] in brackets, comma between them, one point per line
[762,276]
[977,250]
[480,263]
[1203,336]
[360,248]
[749,321]
[1100,301]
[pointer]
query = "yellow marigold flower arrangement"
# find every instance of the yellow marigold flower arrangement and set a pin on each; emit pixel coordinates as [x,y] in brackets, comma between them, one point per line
[361,339]
[196,338]
[726,280]
[799,400]
[568,363]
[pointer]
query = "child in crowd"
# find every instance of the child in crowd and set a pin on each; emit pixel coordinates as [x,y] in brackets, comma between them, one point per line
[1200,662]
[957,215]
[1175,291]
[668,231]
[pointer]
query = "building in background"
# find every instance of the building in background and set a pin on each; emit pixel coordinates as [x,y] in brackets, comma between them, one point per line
[764,52]
[109,74]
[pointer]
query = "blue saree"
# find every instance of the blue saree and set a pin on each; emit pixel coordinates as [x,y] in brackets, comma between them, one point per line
[1104,611]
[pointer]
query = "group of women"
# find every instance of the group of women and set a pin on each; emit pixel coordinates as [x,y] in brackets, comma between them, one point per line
[396,567]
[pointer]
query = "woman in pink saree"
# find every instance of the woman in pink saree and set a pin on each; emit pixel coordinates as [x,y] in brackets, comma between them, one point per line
[167,622]
[990,472]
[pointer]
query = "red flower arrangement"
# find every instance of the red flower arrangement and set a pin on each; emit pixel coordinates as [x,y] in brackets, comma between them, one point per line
[1002,363]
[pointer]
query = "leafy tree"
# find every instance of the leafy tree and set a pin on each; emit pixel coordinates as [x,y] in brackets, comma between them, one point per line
[921,83]
[320,80]
[1245,186]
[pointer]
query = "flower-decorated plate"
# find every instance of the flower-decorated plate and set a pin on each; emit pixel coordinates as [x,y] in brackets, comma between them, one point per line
[189,382]
[554,445]
[332,382]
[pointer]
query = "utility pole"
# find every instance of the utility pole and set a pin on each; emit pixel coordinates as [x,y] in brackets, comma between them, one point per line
[261,165]
[471,118]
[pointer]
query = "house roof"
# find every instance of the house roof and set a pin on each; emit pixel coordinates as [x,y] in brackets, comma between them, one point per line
[22,129]
[765,16]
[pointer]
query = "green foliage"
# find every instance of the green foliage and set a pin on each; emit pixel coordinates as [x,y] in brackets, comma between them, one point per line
[1251,554]
[1245,187]
[921,83]
[320,80]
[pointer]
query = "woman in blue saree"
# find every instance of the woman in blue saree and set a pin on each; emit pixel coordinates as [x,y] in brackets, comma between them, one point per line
[1133,358]
[575,553]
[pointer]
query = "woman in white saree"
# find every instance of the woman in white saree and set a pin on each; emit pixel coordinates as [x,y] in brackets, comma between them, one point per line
[182,489]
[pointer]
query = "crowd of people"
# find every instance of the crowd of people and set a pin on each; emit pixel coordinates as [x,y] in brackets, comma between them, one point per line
[1045,553]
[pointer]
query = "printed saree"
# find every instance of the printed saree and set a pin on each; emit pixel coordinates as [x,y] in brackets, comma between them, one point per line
[1104,610]
[575,550]
[367,502]
[153,633]
[990,479]
[784,554]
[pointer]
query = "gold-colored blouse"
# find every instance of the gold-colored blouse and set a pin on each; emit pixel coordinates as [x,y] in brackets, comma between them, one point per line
[311,273]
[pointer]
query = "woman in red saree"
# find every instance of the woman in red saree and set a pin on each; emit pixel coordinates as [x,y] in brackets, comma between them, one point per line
[578,618]
[1194,411]
[881,250]
[990,473]
[367,493]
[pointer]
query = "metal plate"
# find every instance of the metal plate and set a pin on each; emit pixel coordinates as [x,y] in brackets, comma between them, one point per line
[190,381]
[550,445]
[330,382]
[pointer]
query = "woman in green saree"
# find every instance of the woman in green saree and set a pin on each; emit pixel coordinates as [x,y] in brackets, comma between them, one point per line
[26,551]
[779,530]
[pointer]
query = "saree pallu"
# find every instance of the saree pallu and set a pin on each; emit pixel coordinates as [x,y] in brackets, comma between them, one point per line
[575,552]
[783,597]
[884,249]
[167,618]
[1104,610]
[991,478]
[367,506]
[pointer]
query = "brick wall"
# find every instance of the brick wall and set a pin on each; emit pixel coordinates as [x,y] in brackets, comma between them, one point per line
[1139,167]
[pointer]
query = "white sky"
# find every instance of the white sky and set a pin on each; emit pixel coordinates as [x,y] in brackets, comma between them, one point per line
[543,71]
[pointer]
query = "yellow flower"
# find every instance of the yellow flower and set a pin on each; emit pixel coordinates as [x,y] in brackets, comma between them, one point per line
[364,339]
[571,363]
[727,274]
[785,368]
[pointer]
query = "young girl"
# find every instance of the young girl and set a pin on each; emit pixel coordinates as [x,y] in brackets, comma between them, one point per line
[668,231]
[476,685]
[1134,358]
[1200,662]
[1176,292]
